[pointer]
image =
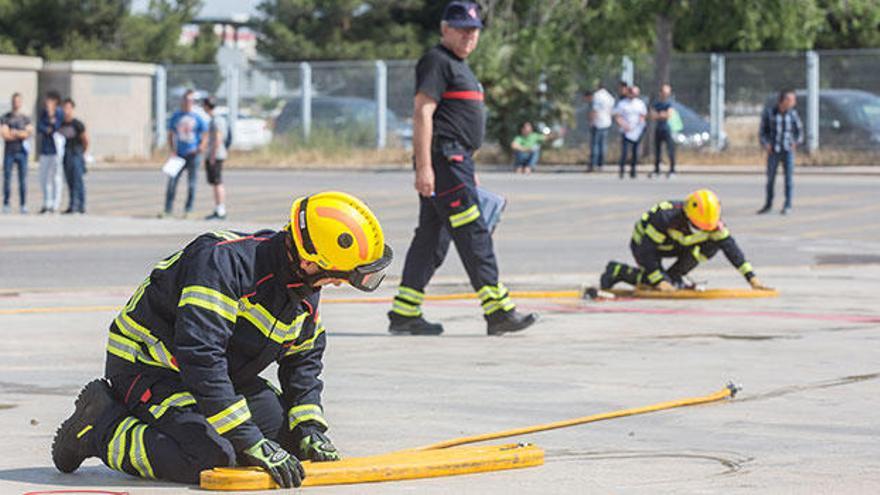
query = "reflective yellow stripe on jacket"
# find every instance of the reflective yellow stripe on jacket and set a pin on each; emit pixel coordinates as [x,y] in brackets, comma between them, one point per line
[306,412]
[230,417]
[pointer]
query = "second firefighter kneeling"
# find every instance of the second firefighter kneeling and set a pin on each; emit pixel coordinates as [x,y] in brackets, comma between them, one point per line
[691,231]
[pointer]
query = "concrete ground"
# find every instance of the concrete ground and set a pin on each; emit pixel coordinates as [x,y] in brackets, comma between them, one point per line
[805,421]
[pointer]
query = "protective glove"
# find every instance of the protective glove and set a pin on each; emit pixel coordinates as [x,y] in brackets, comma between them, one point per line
[664,286]
[756,284]
[284,468]
[315,446]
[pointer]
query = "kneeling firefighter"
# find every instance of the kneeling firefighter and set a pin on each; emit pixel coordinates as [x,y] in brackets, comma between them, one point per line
[182,391]
[690,231]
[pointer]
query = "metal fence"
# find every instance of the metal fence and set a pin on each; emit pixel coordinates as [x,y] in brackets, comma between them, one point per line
[369,103]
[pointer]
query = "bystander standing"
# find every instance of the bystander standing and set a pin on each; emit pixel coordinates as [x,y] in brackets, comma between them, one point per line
[630,113]
[780,134]
[215,156]
[15,129]
[76,143]
[185,129]
[661,112]
[601,105]
[51,151]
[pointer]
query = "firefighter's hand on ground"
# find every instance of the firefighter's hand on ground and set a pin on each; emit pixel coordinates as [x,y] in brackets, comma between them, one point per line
[317,447]
[756,284]
[664,286]
[284,468]
[425,181]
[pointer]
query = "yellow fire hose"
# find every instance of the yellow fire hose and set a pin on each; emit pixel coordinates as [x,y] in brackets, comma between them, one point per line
[447,458]
[729,391]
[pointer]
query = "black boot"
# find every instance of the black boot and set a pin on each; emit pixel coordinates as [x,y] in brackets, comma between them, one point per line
[501,322]
[412,325]
[607,280]
[74,441]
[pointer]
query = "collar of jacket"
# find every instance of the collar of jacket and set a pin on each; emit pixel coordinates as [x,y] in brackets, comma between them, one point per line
[276,258]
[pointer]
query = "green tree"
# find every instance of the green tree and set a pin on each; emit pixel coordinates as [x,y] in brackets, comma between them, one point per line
[102,29]
[849,24]
[341,29]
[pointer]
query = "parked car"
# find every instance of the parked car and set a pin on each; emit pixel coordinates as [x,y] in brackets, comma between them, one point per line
[342,113]
[848,118]
[249,132]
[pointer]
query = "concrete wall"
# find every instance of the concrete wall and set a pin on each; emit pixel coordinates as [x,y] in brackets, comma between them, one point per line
[19,75]
[113,99]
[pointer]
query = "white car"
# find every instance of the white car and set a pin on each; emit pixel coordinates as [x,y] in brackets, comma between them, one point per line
[248,133]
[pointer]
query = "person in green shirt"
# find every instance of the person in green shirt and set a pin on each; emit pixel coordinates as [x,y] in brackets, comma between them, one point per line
[527,148]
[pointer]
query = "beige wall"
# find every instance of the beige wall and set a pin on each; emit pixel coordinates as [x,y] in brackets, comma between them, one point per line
[19,75]
[113,99]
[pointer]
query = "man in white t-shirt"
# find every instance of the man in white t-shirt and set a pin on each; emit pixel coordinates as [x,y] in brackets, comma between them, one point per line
[601,104]
[630,114]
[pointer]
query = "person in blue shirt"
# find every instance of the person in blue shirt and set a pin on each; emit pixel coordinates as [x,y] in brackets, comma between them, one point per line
[51,157]
[185,129]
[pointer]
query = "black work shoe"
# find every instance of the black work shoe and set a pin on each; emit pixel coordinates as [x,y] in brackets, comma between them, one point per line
[763,210]
[606,281]
[501,322]
[412,325]
[73,440]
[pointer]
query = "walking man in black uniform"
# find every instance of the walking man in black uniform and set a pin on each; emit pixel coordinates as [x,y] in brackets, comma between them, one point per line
[448,124]
[182,391]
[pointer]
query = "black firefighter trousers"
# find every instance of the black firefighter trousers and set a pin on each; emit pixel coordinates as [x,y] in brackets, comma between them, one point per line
[156,430]
[453,215]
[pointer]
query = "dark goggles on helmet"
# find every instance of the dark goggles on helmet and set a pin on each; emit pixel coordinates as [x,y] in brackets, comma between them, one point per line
[365,277]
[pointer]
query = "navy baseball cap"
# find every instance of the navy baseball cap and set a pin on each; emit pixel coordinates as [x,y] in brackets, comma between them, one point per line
[463,15]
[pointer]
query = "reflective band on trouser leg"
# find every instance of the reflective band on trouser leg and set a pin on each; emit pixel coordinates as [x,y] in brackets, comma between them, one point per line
[230,417]
[180,399]
[698,255]
[465,217]
[495,298]
[616,272]
[745,268]
[210,299]
[655,277]
[137,454]
[306,412]
[116,446]
[410,295]
[404,308]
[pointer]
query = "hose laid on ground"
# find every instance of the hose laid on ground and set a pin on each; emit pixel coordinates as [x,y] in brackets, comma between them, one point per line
[729,391]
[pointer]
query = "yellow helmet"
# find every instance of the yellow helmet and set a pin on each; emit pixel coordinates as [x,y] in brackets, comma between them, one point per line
[703,209]
[340,234]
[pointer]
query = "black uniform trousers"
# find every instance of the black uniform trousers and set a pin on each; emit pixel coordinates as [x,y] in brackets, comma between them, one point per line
[157,431]
[451,215]
[647,255]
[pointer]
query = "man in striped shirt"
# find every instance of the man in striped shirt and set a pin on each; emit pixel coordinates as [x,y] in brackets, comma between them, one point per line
[781,131]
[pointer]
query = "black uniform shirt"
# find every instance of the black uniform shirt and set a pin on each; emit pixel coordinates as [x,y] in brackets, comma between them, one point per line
[449,81]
